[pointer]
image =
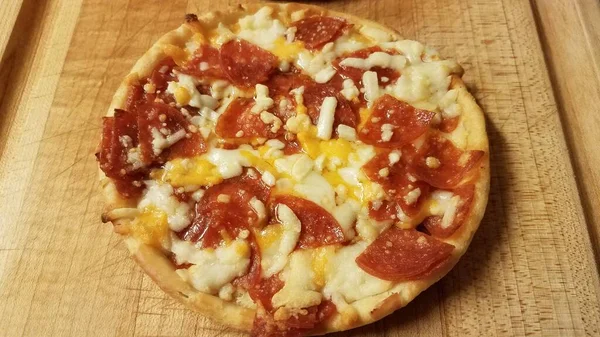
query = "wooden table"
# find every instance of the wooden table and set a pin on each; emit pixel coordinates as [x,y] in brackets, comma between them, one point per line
[532,268]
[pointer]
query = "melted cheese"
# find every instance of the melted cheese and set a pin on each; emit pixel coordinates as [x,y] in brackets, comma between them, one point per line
[344,277]
[212,268]
[191,171]
[376,59]
[300,289]
[283,240]
[326,116]
[160,197]
[262,30]
[229,163]
[185,92]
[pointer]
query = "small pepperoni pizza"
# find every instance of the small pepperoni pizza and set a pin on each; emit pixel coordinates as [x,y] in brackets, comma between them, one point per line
[288,170]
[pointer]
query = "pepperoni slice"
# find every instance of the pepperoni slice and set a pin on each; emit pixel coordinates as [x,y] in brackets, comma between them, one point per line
[355,74]
[224,210]
[165,120]
[280,85]
[404,121]
[319,227]
[439,163]
[315,93]
[403,189]
[206,63]
[433,224]
[384,211]
[264,290]
[239,117]
[136,98]
[119,135]
[316,31]
[246,64]
[400,255]
[162,74]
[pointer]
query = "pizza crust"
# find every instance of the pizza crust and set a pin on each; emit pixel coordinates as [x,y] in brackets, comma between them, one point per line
[361,312]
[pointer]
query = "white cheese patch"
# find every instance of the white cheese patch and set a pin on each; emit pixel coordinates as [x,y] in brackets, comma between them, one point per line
[230,163]
[450,212]
[326,117]
[259,208]
[346,132]
[412,196]
[325,74]
[376,59]
[273,264]
[302,167]
[448,105]
[261,29]
[371,85]
[161,196]
[387,131]
[262,99]
[317,189]
[299,290]
[212,269]
[349,90]
[189,83]
[346,278]
[413,50]
[369,229]
[161,142]
[268,178]
[346,215]
[427,82]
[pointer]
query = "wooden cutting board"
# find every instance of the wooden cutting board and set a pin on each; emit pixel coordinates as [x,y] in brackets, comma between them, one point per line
[531,269]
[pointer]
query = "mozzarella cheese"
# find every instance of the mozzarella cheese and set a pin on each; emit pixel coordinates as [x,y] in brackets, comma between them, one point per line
[326,117]
[300,289]
[376,59]
[275,259]
[229,163]
[185,92]
[344,277]
[371,86]
[212,268]
[161,196]
[262,99]
[349,90]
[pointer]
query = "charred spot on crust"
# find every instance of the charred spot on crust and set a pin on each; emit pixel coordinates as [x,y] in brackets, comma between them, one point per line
[191,17]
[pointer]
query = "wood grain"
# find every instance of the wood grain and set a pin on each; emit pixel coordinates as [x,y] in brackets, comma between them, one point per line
[530,269]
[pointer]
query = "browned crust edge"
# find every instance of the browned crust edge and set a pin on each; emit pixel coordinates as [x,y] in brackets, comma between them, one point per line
[361,312]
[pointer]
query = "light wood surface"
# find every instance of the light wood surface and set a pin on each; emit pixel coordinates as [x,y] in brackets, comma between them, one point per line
[530,270]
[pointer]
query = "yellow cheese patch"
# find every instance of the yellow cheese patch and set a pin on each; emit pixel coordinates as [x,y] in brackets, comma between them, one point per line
[182,96]
[334,179]
[191,171]
[364,115]
[268,235]
[285,50]
[151,226]
[333,148]
[260,163]
[320,258]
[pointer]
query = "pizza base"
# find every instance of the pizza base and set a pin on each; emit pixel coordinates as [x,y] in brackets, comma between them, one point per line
[358,313]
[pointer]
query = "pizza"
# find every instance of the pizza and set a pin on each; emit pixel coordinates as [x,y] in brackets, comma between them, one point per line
[289,170]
